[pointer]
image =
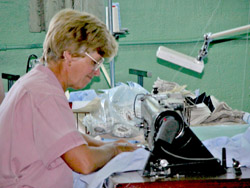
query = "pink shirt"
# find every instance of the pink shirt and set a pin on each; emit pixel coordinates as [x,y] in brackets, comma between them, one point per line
[36,127]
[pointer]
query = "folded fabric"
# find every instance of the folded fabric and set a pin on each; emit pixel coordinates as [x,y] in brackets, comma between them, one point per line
[164,87]
[224,113]
[127,161]
[199,114]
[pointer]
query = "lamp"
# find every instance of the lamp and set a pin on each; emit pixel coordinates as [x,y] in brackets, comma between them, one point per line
[195,64]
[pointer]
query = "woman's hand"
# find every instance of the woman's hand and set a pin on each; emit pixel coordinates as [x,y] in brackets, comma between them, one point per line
[123,145]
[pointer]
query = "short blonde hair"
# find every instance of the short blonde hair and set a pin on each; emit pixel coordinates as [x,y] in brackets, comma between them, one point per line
[77,32]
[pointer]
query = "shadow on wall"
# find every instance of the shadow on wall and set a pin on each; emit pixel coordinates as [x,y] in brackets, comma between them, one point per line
[181,69]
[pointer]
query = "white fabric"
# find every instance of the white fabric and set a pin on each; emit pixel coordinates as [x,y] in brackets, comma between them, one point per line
[127,161]
[237,147]
[199,114]
[246,118]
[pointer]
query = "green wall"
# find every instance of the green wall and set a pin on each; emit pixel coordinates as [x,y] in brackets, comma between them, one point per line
[16,42]
[176,24]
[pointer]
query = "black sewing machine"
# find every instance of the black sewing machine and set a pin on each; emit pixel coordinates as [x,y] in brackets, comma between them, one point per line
[175,149]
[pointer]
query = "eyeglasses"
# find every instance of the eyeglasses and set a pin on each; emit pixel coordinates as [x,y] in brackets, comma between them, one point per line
[98,64]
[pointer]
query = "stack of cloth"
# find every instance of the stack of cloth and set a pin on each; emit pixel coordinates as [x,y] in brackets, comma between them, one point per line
[207,109]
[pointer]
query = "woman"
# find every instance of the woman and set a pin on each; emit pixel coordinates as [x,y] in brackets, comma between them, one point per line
[39,143]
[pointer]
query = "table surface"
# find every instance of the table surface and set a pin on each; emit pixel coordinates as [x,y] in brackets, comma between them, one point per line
[135,180]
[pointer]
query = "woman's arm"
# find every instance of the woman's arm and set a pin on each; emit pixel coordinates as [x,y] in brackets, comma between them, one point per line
[86,159]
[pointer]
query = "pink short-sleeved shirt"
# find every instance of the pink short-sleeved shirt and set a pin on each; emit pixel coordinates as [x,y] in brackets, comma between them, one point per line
[36,127]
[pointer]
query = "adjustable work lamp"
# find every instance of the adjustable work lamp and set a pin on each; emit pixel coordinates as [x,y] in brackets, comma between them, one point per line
[195,64]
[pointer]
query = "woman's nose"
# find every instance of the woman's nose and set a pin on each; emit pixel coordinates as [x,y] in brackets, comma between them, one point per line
[97,72]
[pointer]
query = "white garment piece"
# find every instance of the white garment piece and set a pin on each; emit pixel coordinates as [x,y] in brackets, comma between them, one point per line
[127,161]
[165,87]
[246,118]
[199,113]
[237,147]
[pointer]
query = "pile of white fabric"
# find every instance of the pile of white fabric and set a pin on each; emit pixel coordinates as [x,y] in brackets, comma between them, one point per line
[237,147]
[201,114]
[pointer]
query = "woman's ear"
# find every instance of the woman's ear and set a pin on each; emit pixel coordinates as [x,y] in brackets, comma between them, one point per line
[67,55]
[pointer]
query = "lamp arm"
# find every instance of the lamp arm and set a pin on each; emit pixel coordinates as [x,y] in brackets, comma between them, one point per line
[227,32]
[209,37]
[204,49]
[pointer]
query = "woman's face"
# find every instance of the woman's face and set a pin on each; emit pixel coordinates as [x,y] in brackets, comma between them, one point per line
[82,70]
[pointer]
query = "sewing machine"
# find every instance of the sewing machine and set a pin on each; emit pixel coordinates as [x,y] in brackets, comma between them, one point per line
[175,149]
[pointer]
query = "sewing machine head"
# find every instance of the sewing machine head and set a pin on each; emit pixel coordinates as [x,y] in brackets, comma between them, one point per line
[174,148]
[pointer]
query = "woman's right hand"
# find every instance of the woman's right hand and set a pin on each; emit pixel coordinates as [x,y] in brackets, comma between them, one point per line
[123,145]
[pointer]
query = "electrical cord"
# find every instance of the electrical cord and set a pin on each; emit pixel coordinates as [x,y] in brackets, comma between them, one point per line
[190,159]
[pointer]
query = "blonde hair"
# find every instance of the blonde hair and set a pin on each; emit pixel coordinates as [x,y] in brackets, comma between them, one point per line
[77,32]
